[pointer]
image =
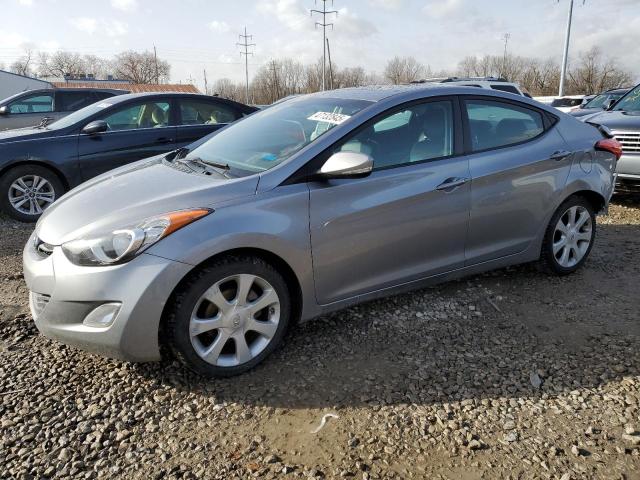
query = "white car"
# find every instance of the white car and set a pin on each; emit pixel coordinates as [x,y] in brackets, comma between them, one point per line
[567,103]
[491,83]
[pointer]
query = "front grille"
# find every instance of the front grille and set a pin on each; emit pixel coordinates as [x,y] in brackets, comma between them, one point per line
[37,302]
[630,141]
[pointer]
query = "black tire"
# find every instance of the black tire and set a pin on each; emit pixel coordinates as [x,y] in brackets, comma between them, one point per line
[25,170]
[548,261]
[185,300]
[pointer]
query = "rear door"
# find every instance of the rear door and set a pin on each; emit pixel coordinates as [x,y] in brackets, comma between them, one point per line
[28,110]
[407,219]
[519,164]
[136,130]
[198,117]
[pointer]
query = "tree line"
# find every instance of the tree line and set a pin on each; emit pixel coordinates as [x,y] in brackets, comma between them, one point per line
[137,67]
[591,71]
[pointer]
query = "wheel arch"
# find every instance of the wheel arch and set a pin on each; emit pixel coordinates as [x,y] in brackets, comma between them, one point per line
[291,279]
[39,163]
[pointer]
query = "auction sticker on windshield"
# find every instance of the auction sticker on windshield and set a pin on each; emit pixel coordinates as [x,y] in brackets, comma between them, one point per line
[328,117]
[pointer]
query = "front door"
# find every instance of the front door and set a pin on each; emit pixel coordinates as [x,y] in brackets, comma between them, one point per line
[200,117]
[135,131]
[405,221]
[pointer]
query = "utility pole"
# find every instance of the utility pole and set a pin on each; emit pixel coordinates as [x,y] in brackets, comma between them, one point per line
[565,55]
[206,88]
[155,59]
[506,38]
[330,67]
[324,12]
[245,43]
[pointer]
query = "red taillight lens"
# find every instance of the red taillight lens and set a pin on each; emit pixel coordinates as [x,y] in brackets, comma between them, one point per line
[610,145]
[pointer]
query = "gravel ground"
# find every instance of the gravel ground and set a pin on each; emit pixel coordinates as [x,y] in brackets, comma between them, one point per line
[512,374]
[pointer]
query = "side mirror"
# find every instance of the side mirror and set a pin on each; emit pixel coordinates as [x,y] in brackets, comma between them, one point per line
[347,165]
[4,110]
[608,104]
[97,126]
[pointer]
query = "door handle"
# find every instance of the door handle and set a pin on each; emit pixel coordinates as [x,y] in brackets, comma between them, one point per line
[559,155]
[451,183]
[164,140]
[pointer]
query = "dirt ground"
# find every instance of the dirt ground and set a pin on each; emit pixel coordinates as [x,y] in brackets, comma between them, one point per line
[512,374]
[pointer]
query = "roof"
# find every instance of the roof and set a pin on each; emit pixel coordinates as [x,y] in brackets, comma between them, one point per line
[375,93]
[132,87]
[25,76]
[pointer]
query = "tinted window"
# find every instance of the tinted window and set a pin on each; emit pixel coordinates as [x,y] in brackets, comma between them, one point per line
[506,88]
[566,102]
[421,132]
[72,101]
[198,112]
[141,115]
[101,95]
[37,103]
[496,124]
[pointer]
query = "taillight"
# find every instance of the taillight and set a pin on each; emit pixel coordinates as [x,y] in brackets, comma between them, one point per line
[610,145]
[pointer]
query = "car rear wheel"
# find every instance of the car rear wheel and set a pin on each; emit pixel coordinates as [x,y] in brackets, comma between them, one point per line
[26,191]
[569,236]
[229,317]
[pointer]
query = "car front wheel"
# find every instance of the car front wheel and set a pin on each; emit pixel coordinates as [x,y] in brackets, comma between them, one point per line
[28,190]
[229,317]
[569,236]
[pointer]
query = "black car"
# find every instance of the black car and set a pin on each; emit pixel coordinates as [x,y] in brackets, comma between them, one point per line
[26,109]
[603,101]
[37,165]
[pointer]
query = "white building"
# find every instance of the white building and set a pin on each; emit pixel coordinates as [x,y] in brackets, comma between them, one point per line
[12,83]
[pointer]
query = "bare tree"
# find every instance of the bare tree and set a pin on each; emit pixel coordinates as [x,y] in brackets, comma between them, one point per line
[226,88]
[60,64]
[141,67]
[23,66]
[403,70]
[593,73]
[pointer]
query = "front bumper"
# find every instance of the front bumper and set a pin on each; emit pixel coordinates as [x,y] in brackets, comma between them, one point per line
[63,294]
[628,167]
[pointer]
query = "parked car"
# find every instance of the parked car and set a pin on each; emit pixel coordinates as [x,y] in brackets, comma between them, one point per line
[491,83]
[604,101]
[309,206]
[623,120]
[27,109]
[565,104]
[39,164]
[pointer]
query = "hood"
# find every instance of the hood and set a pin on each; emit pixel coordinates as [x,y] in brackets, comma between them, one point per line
[581,112]
[126,196]
[28,133]
[615,119]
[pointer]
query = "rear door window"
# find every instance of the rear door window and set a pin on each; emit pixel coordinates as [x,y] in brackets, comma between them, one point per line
[72,101]
[199,112]
[36,103]
[495,124]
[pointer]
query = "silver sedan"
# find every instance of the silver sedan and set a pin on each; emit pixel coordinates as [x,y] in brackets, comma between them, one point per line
[310,206]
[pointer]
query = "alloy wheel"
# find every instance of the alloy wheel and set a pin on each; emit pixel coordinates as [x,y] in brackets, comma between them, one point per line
[572,236]
[234,320]
[31,194]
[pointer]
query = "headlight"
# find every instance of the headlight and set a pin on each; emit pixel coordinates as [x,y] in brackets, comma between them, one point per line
[123,244]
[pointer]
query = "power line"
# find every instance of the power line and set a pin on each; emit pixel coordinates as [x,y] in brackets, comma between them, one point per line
[324,12]
[245,43]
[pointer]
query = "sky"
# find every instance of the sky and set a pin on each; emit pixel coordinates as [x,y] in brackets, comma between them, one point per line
[198,35]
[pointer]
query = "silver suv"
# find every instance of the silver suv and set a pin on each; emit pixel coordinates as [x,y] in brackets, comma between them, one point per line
[623,119]
[310,206]
[491,83]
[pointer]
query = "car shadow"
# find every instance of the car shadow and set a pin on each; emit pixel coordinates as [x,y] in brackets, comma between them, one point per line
[478,338]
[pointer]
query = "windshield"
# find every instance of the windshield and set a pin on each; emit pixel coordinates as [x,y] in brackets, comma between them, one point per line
[630,102]
[600,100]
[79,115]
[267,138]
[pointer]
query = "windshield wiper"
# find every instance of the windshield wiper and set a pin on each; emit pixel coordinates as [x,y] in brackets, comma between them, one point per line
[44,122]
[210,163]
